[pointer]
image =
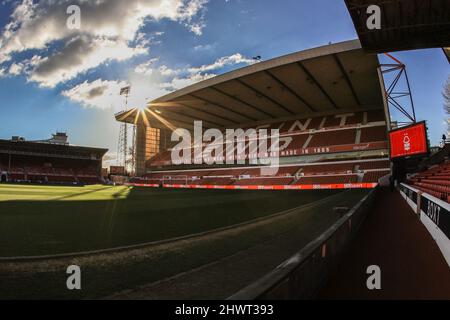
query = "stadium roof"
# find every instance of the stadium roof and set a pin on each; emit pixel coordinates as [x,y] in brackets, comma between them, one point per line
[330,79]
[405,24]
[447,53]
[31,148]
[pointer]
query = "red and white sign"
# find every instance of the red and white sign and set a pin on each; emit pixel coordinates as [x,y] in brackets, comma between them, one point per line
[409,141]
[264,187]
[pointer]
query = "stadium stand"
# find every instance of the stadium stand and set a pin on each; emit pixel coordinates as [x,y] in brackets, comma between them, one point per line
[353,171]
[50,161]
[328,168]
[265,181]
[376,116]
[334,138]
[327,135]
[373,134]
[434,181]
[374,165]
[327,179]
[317,135]
[339,137]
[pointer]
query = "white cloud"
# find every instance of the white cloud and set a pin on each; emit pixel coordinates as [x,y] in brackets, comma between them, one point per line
[204,47]
[181,82]
[236,58]
[78,56]
[166,71]
[197,28]
[97,94]
[34,26]
[146,68]
[15,69]
[104,94]
[109,31]
[2,72]
[147,83]
[192,9]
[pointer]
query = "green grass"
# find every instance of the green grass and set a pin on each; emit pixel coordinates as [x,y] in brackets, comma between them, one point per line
[40,220]
[75,209]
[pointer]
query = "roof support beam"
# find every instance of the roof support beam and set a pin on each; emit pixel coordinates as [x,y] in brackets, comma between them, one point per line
[214,124]
[191,124]
[174,122]
[280,82]
[125,115]
[264,95]
[206,112]
[222,107]
[347,78]
[243,102]
[310,76]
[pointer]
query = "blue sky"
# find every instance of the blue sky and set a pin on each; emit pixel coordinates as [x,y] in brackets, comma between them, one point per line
[158,47]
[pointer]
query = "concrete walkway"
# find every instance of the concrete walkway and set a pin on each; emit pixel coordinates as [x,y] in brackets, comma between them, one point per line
[392,237]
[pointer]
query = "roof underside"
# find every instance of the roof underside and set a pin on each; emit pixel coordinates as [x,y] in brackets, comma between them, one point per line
[447,53]
[330,79]
[405,24]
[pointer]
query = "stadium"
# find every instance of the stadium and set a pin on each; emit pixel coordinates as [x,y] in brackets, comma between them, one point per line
[348,177]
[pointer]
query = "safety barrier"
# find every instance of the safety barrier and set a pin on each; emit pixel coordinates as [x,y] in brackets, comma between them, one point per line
[302,275]
[433,213]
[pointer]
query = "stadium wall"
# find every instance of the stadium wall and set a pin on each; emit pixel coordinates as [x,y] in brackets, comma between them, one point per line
[303,275]
[433,213]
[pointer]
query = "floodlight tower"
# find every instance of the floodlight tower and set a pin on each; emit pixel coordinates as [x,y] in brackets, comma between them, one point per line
[133,152]
[122,149]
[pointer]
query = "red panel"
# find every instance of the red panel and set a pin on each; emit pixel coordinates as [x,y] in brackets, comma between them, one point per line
[265,187]
[409,141]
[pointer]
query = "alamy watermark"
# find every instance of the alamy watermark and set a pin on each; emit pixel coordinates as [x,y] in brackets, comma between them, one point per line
[73,281]
[74,19]
[374,20]
[374,280]
[229,146]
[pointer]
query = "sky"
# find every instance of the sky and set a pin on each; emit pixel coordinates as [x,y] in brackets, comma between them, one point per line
[54,77]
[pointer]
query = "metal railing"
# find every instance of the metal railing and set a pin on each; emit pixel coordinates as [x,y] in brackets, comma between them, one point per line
[303,275]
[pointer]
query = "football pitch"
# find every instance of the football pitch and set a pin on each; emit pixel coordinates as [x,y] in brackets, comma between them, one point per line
[45,220]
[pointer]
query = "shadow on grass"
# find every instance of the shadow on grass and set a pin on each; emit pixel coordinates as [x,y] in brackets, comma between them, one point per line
[83,193]
[140,216]
[144,215]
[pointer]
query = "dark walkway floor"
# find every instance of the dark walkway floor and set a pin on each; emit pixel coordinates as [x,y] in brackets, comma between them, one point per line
[392,237]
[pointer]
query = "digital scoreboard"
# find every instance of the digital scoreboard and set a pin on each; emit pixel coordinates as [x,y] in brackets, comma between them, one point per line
[409,141]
